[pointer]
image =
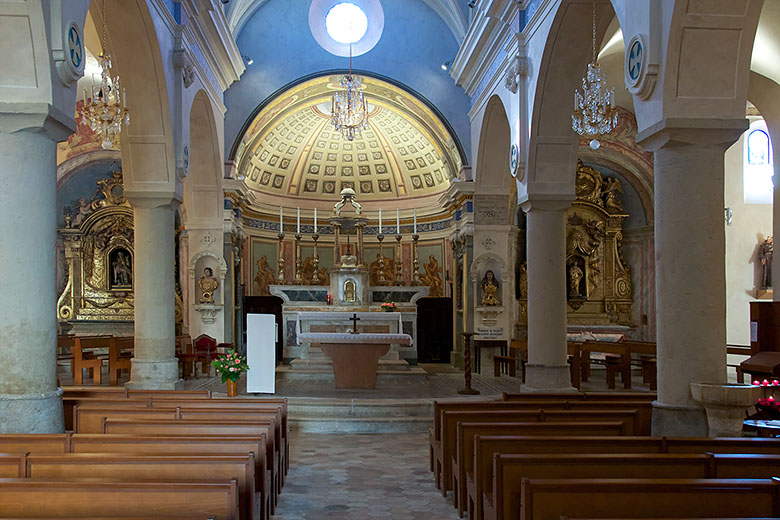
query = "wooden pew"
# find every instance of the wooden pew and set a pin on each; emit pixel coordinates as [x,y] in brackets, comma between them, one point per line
[186,445]
[35,443]
[12,465]
[449,420]
[582,396]
[120,352]
[463,460]
[544,499]
[142,427]
[154,468]
[87,419]
[617,360]
[86,498]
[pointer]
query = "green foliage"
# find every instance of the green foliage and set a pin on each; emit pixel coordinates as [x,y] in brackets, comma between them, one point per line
[230,366]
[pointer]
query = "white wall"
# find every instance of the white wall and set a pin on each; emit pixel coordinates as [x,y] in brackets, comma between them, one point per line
[751,224]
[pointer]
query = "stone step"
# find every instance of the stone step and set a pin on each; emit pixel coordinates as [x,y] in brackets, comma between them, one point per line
[361,424]
[327,408]
[326,364]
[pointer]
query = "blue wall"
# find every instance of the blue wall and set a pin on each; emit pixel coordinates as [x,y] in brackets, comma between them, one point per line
[413,46]
[83,185]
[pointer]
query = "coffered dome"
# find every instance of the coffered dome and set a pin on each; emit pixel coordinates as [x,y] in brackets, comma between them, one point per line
[290,148]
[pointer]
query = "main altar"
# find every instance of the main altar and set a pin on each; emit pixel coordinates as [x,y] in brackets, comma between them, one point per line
[358,304]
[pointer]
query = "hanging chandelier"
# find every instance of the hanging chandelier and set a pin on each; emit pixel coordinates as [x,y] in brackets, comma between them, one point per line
[349,109]
[594,109]
[106,111]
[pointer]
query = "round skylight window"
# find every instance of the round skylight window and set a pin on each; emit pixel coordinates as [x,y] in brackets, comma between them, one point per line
[346,22]
[338,25]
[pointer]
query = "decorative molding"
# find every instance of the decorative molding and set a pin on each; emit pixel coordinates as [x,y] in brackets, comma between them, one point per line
[208,312]
[518,69]
[202,254]
[182,59]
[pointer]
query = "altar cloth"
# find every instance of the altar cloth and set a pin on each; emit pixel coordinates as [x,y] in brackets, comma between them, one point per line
[366,338]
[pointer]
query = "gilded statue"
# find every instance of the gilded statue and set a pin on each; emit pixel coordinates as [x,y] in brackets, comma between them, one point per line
[523,280]
[612,189]
[575,278]
[388,270]
[490,289]
[432,277]
[265,277]
[207,284]
[307,273]
[121,272]
[765,252]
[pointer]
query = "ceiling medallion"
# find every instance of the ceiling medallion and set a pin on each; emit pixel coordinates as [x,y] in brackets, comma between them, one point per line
[594,109]
[349,109]
[106,110]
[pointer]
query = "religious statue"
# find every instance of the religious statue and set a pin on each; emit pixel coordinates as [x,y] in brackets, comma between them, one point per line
[765,252]
[265,277]
[611,190]
[432,277]
[307,272]
[122,274]
[82,212]
[523,280]
[490,289]
[207,284]
[575,277]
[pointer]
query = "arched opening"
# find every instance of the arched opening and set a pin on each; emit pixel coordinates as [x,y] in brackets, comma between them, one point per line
[494,145]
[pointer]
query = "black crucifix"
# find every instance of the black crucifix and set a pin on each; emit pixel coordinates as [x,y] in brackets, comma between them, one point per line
[354,319]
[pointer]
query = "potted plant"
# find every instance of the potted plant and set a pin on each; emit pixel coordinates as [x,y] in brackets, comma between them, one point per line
[230,366]
[389,307]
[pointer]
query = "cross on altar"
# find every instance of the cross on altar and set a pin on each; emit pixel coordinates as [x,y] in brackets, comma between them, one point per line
[354,319]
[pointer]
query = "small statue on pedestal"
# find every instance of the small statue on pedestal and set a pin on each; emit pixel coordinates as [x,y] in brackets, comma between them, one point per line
[765,252]
[575,277]
[207,284]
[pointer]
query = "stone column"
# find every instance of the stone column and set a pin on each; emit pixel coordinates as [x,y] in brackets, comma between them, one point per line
[547,369]
[30,401]
[690,271]
[155,365]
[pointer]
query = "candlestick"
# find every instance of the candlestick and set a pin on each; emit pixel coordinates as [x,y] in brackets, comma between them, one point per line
[298,274]
[416,261]
[398,262]
[415,221]
[280,259]
[380,221]
[381,274]
[315,221]
[298,229]
[315,277]
[397,221]
[281,221]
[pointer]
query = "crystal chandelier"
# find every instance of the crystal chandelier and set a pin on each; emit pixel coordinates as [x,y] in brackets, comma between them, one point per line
[594,109]
[349,109]
[106,110]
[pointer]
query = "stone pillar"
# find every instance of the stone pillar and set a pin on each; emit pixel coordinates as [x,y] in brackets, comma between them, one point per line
[547,369]
[776,220]
[690,271]
[155,365]
[30,401]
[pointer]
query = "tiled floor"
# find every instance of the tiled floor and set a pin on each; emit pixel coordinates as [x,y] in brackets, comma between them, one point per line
[361,477]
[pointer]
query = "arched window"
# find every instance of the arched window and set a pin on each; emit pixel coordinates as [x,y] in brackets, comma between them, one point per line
[757,169]
[758,148]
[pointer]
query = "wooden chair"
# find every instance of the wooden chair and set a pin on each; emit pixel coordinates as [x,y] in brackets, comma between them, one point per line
[120,354]
[507,362]
[204,349]
[88,360]
[185,356]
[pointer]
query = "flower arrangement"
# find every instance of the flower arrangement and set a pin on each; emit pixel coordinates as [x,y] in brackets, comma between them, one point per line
[389,307]
[230,366]
[768,408]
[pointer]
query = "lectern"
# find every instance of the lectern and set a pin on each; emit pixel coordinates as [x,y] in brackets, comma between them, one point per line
[764,327]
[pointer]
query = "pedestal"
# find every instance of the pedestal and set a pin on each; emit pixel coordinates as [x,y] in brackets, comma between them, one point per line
[355,366]
[725,405]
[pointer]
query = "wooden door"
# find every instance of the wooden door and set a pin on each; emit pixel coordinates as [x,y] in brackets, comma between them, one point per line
[434,330]
[266,305]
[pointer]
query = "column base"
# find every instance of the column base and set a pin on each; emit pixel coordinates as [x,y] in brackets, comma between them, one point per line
[678,421]
[155,374]
[32,413]
[547,378]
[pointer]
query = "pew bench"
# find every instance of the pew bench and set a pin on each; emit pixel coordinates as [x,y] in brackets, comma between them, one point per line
[84,498]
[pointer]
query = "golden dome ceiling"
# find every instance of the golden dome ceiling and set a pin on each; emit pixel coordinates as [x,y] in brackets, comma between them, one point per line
[290,149]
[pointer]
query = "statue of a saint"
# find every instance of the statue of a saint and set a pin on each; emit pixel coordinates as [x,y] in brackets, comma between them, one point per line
[265,277]
[490,289]
[81,213]
[121,271]
[575,277]
[765,252]
[388,271]
[612,188]
[432,278]
[207,284]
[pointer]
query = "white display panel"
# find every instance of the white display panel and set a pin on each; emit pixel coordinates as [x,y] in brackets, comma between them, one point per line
[261,353]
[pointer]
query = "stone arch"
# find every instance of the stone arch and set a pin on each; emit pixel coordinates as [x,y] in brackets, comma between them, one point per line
[207,254]
[764,93]
[488,259]
[493,152]
[147,144]
[203,185]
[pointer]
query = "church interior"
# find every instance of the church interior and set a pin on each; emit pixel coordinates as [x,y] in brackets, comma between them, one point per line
[414,259]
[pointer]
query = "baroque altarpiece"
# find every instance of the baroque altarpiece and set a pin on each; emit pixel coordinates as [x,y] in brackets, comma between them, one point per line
[598,279]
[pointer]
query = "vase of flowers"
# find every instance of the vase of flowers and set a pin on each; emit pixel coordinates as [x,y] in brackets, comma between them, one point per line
[230,366]
[389,307]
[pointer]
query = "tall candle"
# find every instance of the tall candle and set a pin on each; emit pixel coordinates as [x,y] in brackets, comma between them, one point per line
[315,221]
[415,221]
[299,221]
[380,221]
[281,221]
[397,221]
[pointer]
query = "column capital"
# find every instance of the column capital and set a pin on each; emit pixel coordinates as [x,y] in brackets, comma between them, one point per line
[546,203]
[691,131]
[152,199]
[36,117]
